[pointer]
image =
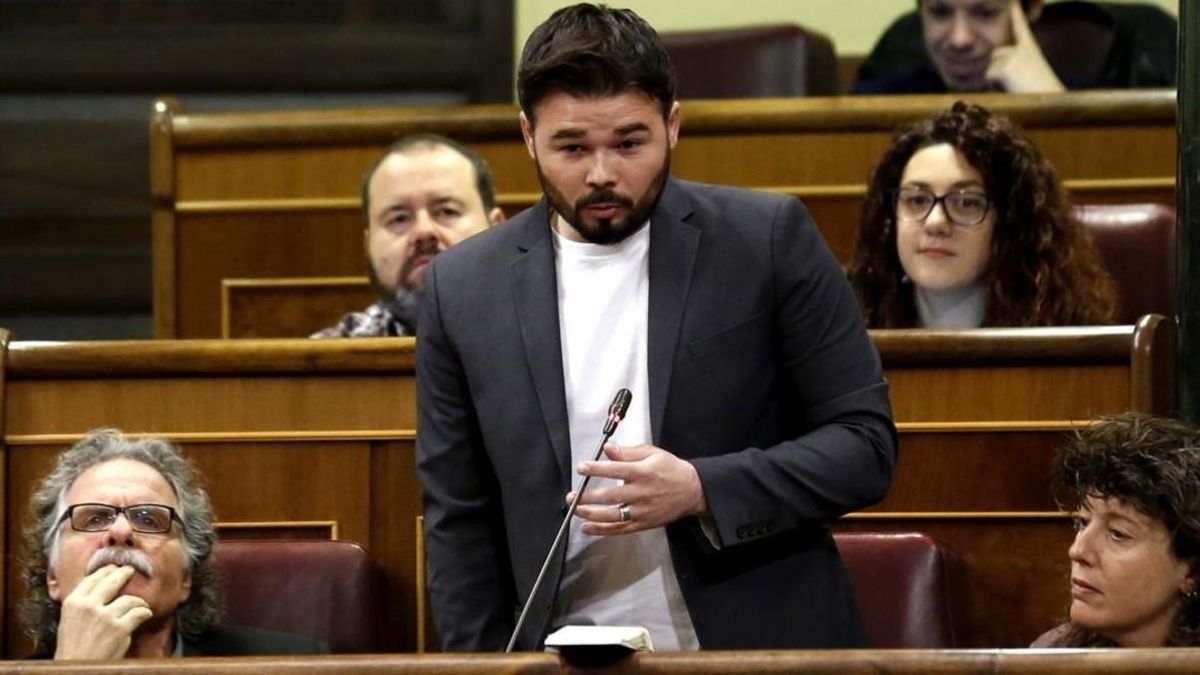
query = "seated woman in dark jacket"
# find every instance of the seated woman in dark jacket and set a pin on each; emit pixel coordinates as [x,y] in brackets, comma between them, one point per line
[966,224]
[1134,483]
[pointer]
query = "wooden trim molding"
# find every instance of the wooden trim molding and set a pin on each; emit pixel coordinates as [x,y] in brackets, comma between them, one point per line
[1153,386]
[421,590]
[149,358]
[523,199]
[213,437]
[990,427]
[4,341]
[1077,344]
[295,282]
[859,516]
[330,527]
[377,126]
[162,216]
[267,205]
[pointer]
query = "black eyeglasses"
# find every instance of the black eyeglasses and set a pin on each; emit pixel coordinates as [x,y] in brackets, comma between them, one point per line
[145,518]
[962,207]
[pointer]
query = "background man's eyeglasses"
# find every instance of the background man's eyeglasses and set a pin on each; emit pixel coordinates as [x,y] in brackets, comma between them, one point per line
[145,518]
[962,207]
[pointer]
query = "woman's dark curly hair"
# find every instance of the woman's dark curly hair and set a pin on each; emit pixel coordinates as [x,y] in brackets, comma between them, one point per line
[1149,463]
[1043,269]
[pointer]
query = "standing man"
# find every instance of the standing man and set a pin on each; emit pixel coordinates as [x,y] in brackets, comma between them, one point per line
[425,194]
[759,410]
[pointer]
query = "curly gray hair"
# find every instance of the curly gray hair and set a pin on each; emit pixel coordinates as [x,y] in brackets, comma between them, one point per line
[39,613]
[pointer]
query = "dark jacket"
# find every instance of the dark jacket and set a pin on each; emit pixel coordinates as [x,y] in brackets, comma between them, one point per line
[760,373]
[234,641]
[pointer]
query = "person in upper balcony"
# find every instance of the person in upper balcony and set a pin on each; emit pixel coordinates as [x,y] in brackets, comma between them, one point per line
[1133,481]
[966,225]
[425,194]
[1021,46]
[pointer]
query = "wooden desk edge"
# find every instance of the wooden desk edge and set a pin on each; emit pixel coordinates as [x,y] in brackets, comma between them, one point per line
[844,661]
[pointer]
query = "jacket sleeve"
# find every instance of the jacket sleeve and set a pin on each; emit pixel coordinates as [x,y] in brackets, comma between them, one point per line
[843,456]
[467,561]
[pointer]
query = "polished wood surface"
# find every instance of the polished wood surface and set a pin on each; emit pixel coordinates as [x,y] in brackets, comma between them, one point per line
[5,336]
[293,435]
[844,662]
[298,307]
[254,195]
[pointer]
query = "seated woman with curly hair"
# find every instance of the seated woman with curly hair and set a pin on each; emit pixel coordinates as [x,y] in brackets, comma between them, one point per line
[1134,482]
[966,224]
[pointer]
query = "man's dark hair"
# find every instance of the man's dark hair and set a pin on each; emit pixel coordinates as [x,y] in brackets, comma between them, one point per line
[593,50]
[483,173]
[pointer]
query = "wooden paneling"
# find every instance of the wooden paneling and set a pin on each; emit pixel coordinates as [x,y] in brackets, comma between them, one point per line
[277,308]
[275,195]
[4,511]
[292,433]
[1016,570]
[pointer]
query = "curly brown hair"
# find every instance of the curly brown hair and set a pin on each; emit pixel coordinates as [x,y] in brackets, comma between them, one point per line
[1149,463]
[1043,269]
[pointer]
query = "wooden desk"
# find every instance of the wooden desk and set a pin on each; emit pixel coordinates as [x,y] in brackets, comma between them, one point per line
[316,439]
[845,662]
[276,194]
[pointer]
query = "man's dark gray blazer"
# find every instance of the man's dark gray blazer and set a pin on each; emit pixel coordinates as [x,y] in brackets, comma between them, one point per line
[760,373]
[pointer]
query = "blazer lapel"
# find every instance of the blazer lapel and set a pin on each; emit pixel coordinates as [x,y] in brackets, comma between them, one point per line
[673,246]
[535,292]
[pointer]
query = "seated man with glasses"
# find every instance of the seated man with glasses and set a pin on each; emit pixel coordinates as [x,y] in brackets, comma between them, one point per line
[119,559]
[966,224]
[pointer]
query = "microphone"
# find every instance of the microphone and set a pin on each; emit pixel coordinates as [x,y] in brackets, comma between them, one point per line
[616,413]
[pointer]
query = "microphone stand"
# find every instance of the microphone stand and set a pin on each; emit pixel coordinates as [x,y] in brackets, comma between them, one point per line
[616,412]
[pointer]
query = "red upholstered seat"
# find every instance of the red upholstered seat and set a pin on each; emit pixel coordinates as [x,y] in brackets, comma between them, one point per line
[753,62]
[908,587]
[329,590]
[1137,246]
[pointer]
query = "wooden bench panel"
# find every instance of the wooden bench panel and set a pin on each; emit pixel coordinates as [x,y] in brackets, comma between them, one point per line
[312,431]
[277,308]
[276,195]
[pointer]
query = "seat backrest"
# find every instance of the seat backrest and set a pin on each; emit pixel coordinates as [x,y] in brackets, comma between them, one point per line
[752,62]
[1076,39]
[1136,243]
[909,589]
[324,589]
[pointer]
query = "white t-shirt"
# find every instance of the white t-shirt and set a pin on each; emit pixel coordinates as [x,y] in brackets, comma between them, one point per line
[603,309]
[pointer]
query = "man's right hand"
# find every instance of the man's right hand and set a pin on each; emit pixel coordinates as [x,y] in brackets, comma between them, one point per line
[96,623]
[1021,68]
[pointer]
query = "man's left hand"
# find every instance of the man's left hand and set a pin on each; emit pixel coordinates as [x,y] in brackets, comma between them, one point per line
[659,488]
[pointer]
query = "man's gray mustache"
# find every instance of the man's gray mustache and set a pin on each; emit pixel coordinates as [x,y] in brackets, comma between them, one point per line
[112,555]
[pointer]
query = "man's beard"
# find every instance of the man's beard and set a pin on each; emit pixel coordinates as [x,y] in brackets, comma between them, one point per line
[404,303]
[606,230]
